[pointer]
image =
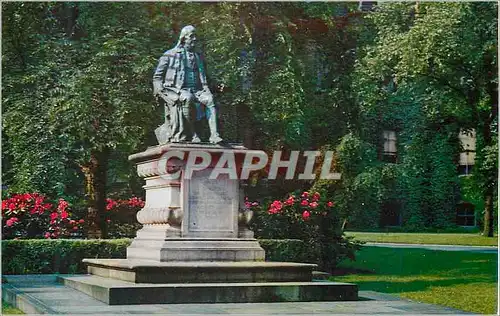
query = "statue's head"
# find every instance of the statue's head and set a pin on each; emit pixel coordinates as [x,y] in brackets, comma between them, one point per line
[187,39]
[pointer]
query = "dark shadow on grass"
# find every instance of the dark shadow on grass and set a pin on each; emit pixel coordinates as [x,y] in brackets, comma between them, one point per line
[413,286]
[339,271]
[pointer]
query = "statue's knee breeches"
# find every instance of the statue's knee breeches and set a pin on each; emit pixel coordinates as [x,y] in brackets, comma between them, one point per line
[206,97]
[186,97]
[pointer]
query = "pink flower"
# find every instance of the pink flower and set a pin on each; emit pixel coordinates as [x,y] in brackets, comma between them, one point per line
[277,205]
[54,215]
[12,206]
[81,221]
[12,221]
[248,204]
[47,235]
[313,205]
[306,215]
[61,207]
[4,204]
[72,222]
[108,221]
[304,203]
[316,196]
[75,228]
[255,204]
[272,211]
[330,204]
[305,195]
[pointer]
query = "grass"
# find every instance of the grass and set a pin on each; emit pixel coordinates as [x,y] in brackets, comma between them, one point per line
[461,280]
[8,309]
[427,238]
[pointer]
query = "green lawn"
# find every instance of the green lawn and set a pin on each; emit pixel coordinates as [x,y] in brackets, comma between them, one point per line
[462,280]
[427,238]
[8,309]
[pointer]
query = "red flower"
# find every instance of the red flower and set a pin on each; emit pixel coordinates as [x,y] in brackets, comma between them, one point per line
[72,222]
[81,221]
[304,203]
[135,202]
[4,204]
[27,197]
[289,201]
[313,205]
[110,204]
[12,221]
[47,206]
[305,195]
[316,196]
[306,215]
[53,216]
[47,235]
[330,204]
[12,206]
[64,215]
[75,227]
[248,204]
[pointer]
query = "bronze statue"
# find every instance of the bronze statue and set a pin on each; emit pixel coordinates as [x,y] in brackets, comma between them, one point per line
[180,85]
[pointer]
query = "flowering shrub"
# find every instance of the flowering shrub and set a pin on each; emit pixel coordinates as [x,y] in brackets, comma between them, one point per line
[312,218]
[121,216]
[31,215]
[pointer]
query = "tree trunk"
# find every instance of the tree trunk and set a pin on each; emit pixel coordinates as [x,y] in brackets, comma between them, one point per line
[95,172]
[492,175]
[488,212]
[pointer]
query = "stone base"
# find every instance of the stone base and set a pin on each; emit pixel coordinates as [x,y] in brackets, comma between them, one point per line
[196,249]
[142,271]
[116,292]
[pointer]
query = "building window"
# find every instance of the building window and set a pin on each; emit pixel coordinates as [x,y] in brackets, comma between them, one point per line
[389,153]
[468,155]
[390,214]
[465,214]
[366,6]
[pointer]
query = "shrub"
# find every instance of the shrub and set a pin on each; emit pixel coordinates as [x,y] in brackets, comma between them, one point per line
[65,255]
[31,215]
[121,217]
[309,217]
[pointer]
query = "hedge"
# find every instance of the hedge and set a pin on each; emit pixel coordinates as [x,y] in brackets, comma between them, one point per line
[39,256]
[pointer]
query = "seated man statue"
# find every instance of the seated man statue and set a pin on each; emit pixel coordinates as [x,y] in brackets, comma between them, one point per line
[180,85]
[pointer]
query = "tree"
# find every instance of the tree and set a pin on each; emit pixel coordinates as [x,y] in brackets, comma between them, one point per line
[441,57]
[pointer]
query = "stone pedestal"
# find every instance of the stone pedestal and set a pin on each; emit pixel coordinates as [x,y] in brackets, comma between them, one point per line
[192,218]
[195,245]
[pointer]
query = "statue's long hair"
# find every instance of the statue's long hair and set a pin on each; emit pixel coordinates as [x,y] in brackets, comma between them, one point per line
[185,30]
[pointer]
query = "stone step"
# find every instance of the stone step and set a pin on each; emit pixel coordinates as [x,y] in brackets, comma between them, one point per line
[117,292]
[148,271]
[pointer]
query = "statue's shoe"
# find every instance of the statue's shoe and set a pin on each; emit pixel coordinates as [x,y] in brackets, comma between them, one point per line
[215,140]
[196,139]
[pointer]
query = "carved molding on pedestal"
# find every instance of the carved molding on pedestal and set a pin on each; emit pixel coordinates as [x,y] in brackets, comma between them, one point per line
[160,215]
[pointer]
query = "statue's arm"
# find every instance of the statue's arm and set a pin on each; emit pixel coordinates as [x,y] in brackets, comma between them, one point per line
[159,75]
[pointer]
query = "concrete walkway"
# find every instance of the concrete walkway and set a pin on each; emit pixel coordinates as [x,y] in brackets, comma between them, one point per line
[36,294]
[479,249]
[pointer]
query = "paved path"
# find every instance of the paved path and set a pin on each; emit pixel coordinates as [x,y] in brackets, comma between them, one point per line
[480,249]
[42,294]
